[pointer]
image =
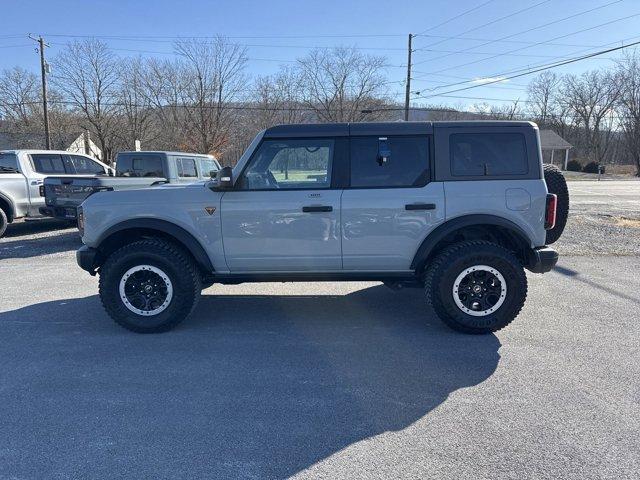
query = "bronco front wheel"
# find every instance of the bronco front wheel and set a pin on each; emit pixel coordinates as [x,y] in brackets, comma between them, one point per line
[476,286]
[149,286]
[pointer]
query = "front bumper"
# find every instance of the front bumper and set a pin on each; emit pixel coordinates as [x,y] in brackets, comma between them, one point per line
[66,213]
[542,259]
[86,258]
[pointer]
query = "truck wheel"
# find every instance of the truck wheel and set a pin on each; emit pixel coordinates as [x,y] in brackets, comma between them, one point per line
[476,286]
[3,222]
[149,286]
[557,184]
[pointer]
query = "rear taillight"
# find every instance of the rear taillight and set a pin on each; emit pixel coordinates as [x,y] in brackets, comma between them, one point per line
[80,219]
[42,191]
[550,211]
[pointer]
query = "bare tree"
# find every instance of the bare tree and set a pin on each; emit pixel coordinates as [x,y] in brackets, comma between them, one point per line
[629,105]
[19,97]
[591,98]
[87,74]
[214,81]
[136,114]
[278,98]
[161,86]
[342,84]
[542,96]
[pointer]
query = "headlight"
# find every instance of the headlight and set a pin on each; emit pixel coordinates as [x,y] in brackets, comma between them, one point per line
[80,218]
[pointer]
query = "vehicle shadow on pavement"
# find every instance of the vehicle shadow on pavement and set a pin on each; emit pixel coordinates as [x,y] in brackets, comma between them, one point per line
[34,247]
[248,387]
[576,276]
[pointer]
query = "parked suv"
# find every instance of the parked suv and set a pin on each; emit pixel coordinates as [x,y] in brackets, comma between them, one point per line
[457,208]
[22,173]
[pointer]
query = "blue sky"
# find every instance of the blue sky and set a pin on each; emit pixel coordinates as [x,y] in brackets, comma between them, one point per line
[279,31]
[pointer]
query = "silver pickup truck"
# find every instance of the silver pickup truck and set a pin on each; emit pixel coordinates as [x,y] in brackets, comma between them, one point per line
[22,173]
[134,170]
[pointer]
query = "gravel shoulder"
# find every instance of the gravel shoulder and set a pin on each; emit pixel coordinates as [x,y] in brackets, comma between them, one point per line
[604,219]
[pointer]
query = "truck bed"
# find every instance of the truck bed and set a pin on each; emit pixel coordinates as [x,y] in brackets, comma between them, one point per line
[64,194]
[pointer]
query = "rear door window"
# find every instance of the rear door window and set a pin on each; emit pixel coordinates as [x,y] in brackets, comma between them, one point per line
[187,168]
[8,162]
[48,163]
[129,165]
[378,162]
[488,154]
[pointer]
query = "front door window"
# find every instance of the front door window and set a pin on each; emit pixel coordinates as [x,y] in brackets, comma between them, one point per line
[290,164]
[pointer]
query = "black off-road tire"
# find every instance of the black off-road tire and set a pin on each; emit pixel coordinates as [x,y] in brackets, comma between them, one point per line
[557,184]
[441,275]
[171,259]
[4,221]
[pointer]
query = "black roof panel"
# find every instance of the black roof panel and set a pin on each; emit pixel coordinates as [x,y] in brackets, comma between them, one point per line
[380,128]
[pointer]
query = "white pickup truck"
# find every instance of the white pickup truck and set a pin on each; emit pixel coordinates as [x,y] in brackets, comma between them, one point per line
[22,172]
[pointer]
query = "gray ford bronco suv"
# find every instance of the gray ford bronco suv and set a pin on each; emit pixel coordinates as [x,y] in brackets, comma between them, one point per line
[456,208]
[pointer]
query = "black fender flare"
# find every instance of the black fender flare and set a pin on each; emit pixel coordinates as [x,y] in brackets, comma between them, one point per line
[12,208]
[185,238]
[457,223]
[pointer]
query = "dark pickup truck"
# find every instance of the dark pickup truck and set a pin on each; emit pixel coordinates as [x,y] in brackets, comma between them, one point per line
[134,170]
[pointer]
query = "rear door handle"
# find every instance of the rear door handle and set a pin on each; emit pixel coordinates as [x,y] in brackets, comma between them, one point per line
[317,208]
[420,206]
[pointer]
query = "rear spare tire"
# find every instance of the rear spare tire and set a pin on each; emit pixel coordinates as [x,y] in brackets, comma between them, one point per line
[557,184]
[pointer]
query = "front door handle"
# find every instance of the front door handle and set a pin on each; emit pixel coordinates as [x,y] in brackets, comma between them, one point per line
[420,206]
[317,208]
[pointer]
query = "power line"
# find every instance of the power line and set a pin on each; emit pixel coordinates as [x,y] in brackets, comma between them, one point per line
[530,7]
[539,43]
[211,37]
[449,20]
[570,56]
[16,46]
[489,42]
[558,64]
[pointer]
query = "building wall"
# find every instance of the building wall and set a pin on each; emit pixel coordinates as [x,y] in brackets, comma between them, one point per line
[78,147]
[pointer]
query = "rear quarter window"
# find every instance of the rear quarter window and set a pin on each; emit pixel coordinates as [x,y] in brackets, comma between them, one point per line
[139,166]
[488,154]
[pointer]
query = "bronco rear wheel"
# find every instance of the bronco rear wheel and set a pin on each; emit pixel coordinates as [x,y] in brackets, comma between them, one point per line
[476,286]
[149,286]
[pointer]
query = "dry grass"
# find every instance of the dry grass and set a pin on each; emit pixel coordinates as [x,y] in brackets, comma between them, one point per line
[628,222]
[621,169]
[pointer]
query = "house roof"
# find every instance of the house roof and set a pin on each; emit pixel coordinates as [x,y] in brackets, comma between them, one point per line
[550,140]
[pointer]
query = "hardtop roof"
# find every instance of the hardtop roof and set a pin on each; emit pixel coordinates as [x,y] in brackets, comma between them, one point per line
[164,152]
[380,128]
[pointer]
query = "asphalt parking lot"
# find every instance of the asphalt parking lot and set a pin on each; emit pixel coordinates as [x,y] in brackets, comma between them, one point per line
[322,380]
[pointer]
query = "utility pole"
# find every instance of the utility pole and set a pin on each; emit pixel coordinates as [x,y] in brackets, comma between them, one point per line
[43,68]
[408,92]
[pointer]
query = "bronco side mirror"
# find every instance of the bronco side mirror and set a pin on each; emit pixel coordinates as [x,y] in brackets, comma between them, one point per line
[225,178]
